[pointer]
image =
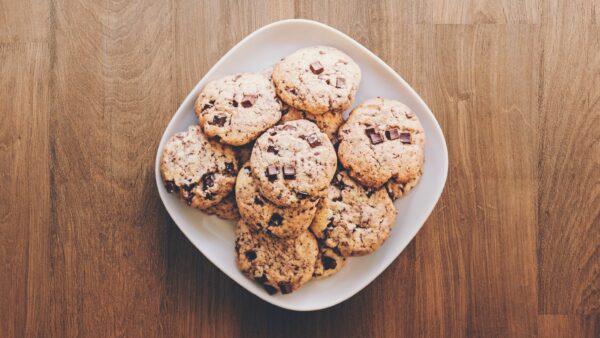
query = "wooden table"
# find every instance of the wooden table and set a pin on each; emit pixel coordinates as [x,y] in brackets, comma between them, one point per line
[87,249]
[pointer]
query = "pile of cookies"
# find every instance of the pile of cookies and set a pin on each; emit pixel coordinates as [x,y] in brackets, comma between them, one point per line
[308,188]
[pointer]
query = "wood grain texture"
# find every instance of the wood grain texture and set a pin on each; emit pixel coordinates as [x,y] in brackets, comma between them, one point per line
[87,249]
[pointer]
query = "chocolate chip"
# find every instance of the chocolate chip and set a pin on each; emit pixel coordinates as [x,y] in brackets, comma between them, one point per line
[189,187]
[262,279]
[337,199]
[328,82]
[374,135]
[340,82]
[302,195]
[248,101]
[289,172]
[209,196]
[273,149]
[206,106]
[316,68]
[275,220]
[208,180]
[285,288]
[234,103]
[409,114]
[405,138]
[338,183]
[229,169]
[272,132]
[328,262]
[171,186]
[370,192]
[219,120]
[272,172]
[293,91]
[313,140]
[189,198]
[270,290]
[392,134]
[251,255]
[258,201]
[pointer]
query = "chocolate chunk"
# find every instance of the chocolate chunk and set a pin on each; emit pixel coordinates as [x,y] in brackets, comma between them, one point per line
[275,220]
[251,255]
[340,82]
[208,180]
[272,172]
[405,138]
[229,169]
[171,186]
[328,262]
[392,134]
[374,135]
[337,199]
[285,288]
[302,195]
[248,101]
[270,290]
[209,196]
[409,114]
[316,68]
[258,201]
[289,172]
[313,140]
[189,187]
[189,198]
[328,82]
[272,132]
[206,106]
[219,120]
[338,183]
[273,149]
[262,279]
[234,103]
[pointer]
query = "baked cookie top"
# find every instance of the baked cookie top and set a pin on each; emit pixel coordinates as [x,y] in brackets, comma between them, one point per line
[276,263]
[226,209]
[293,162]
[352,219]
[238,108]
[260,214]
[202,171]
[317,79]
[328,122]
[382,139]
[328,262]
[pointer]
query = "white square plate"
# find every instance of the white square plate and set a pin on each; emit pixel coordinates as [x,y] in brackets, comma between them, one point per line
[215,237]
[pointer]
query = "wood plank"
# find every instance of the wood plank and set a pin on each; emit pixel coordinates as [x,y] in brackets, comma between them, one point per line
[24,192]
[569,193]
[476,256]
[478,12]
[563,326]
[24,21]
[113,91]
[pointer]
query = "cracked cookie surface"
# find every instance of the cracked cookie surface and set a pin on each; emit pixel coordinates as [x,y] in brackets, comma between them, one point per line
[328,122]
[317,79]
[293,163]
[201,171]
[238,108]
[382,140]
[278,264]
[353,219]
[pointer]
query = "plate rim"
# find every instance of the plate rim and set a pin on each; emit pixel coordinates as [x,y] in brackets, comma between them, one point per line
[191,96]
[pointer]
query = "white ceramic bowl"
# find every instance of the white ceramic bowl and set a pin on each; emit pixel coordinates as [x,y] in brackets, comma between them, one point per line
[215,237]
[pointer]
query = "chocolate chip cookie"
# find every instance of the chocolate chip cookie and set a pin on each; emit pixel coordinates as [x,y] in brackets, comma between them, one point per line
[328,262]
[353,219]
[202,171]
[293,162]
[278,264]
[226,209]
[328,122]
[317,79]
[382,140]
[260,214]
[238,108]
